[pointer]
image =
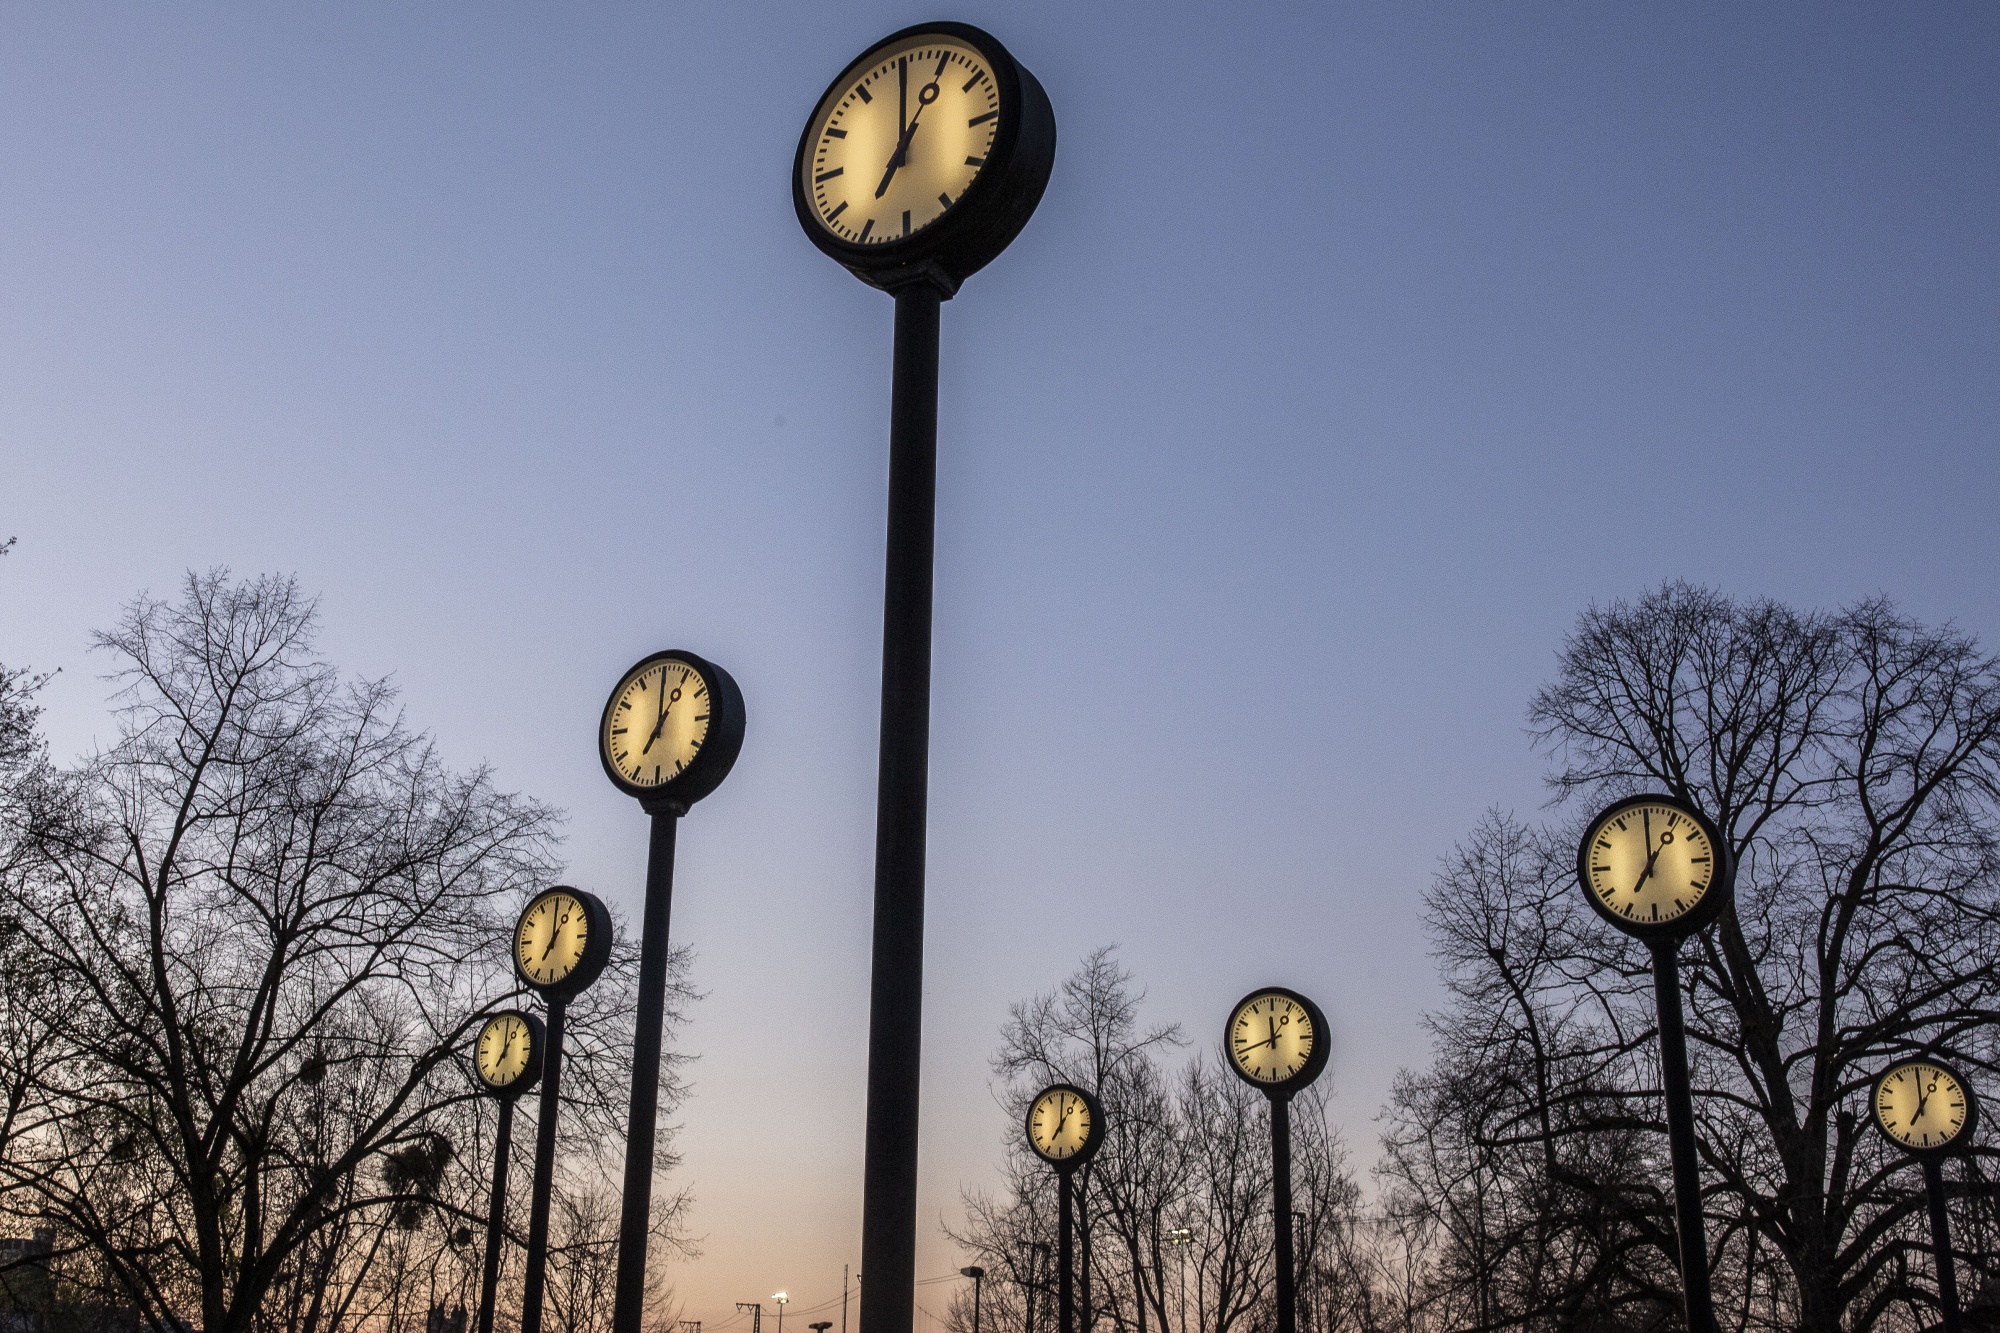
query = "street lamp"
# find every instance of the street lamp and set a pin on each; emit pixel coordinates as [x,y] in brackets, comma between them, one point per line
[1180,1238]
[782,1299]
[976,1273]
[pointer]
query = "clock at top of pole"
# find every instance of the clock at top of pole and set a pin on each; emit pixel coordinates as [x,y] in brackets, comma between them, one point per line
[671,730]
[925,158]
[507,1054]
[1276,1040]
[1065,1126]
[562,941]
[1655,867]
[1924,1106]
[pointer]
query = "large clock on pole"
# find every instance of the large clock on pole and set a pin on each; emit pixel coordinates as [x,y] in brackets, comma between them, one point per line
[918,165]
[925,157]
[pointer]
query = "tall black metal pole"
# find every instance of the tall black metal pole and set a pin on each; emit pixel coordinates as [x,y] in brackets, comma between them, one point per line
[629,1304]
[1680,1139]
[1947,1271]
[1065,1290]
[545,1170]
[896,987]
[1281,1201]
[496,1215]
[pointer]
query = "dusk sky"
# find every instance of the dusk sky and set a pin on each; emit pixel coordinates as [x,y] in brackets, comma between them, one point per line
[1353,352]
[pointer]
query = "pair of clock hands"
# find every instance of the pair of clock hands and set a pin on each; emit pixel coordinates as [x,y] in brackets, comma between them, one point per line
[1666,836]
[905,121]
[1271,1041]
[1923,1095]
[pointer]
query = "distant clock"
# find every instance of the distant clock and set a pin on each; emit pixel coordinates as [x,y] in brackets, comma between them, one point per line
[1065,1126]
[1655,867]
[1276,1040]
[507,1054]
[1924,1106]
[671,730]
[925,157]
[562,941]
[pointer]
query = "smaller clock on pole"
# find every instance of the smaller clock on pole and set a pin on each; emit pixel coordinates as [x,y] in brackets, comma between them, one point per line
[562,942]
[1277,1043]
[1065,1126]
[1659,869]
[669,735]
[1927,1108]
[507,1058]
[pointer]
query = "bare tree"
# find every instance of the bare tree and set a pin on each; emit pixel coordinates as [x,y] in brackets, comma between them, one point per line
[1186,1151]
[270,918]
[1851,759]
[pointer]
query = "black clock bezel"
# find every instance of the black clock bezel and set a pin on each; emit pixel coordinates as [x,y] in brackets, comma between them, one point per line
[1958,1141]
[1316,1059]
[1091,1141]
[531,1073]
[712,761]
[596,945]
[993,209]
[1721,886]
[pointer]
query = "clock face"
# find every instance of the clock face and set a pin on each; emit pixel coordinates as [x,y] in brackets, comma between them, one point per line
[1272,1037]
[504,1051]
[552,939]
[657,722]
[1649,864]
[899,144]
[1922,1105]
[1060,1124]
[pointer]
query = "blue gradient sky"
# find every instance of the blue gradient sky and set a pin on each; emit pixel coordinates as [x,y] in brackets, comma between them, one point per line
[1353,351]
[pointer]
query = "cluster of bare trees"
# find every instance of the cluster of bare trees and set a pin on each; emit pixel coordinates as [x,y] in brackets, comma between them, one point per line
[246,946]
[1853,760]
[1173,1215]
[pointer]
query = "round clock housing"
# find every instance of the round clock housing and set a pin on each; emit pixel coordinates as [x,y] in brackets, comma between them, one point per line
[1924,1106]
[562,941]
[1065,1126]
[671,730]
[925,158]
[1276,1040]
[507,1053]
[1655,867]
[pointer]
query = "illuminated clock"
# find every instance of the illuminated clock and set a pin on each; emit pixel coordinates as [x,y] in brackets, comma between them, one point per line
[507,1054]
[671,730]
[1655,867]
[925,157]
[562,941]
[1276,1040]
[1924,1106]
[1065,1126]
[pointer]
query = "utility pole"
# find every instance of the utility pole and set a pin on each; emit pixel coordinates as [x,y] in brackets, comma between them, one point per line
[756,1309]
[843,1298]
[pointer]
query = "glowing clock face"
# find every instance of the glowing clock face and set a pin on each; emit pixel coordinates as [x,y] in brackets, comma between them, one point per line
[552,938]
[1649,864]
[504,1050]
[1922,1105]
[897,147]
[1271,1038]
[1059,1124]
[657,722]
